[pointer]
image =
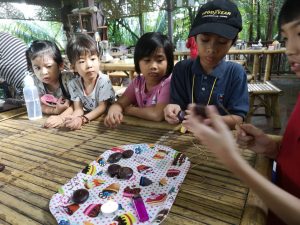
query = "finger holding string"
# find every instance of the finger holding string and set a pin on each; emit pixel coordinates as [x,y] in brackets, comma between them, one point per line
[244,139]
[217,137]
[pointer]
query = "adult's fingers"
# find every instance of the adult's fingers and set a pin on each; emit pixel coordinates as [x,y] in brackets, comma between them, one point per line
[249,129]
[216,120]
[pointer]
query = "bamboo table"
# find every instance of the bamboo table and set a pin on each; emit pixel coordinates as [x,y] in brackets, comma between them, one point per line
[128,67]
[38,161]
[269,56]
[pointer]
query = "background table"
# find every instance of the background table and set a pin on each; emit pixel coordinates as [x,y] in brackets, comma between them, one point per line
[256,61]
[38,161]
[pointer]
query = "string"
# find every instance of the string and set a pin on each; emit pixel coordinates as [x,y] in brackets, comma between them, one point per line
[173,136]
[229,114]
[211,91]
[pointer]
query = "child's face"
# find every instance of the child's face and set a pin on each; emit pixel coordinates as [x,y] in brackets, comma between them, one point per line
[291,35]
[87,66]
[155,66]
[212,49]
[46,69]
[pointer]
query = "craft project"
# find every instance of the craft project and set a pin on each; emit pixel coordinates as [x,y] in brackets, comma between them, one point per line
[129,184]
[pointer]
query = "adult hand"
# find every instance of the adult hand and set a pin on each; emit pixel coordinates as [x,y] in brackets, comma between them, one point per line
[248,136]
[171,111]
[202,117]
[217,136]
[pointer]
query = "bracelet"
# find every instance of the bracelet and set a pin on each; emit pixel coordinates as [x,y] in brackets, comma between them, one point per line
[84,119]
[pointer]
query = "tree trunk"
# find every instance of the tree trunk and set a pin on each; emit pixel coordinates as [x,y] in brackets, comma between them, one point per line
[141,22]
[270,20]
[252,2]
[258,25]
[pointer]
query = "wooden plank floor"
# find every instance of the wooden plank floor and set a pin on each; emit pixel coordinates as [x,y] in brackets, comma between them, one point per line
[38,161]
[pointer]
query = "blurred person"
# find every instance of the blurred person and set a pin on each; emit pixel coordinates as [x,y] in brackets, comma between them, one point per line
[13,65]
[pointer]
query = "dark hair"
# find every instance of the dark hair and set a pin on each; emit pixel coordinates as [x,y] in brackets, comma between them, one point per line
[289,12]
[42,47]
[148,44]
[81,44]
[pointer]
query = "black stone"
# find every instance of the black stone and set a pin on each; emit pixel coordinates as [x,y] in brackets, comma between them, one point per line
[80,196]
[127,154]
[125,173]
[113,169]
[115,157]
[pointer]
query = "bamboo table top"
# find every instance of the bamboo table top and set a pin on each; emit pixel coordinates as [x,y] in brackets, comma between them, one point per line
[38,161]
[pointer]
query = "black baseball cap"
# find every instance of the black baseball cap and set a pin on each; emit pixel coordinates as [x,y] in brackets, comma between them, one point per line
[220,17]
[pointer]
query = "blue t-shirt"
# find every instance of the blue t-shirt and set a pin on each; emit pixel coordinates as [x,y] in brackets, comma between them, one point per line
[230,87]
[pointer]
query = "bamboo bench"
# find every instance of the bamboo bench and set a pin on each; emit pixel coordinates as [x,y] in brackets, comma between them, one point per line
[266,95]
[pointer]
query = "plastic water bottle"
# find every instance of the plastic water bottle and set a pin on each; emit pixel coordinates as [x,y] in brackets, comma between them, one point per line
[32,99]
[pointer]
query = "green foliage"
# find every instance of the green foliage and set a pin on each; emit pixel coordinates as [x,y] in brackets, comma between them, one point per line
[123,29]
[34,30]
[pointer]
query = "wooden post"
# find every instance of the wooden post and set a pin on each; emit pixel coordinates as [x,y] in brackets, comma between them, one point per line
[268,67]
[91,3]
[255,68]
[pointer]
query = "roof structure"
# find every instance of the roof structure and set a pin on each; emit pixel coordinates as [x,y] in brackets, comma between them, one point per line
[113,9]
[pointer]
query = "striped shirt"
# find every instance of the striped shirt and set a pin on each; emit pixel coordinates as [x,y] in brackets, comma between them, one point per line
[13,63]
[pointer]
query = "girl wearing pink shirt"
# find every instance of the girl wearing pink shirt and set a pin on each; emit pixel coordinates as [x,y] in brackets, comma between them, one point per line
[149,92]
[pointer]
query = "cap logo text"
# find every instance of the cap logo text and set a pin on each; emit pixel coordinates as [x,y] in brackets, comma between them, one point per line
[216,12]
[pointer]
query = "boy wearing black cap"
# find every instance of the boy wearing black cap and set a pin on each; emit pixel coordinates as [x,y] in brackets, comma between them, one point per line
[209,79]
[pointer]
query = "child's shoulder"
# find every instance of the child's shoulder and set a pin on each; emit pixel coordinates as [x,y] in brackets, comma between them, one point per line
[68,75]
[232,64]
[185,62]
[103,76]
[103,79]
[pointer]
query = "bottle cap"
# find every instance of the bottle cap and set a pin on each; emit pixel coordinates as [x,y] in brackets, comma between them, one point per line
[28,81]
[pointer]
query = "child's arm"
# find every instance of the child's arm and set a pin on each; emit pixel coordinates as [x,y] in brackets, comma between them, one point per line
[56,121]
[115,113]
[154,113]
[75,121]
[220,141]
[98,111]
[56,109]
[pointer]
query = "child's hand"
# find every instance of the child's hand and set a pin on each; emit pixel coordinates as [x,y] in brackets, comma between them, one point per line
[54,122]
[217,137]
[113,119]
[171,111]
[73,122]
[62,105]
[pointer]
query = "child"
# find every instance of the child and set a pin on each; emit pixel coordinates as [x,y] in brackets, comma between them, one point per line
[45,60]
[283,199]
[148,94]
[209,79]
[91,91]
[12,63]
